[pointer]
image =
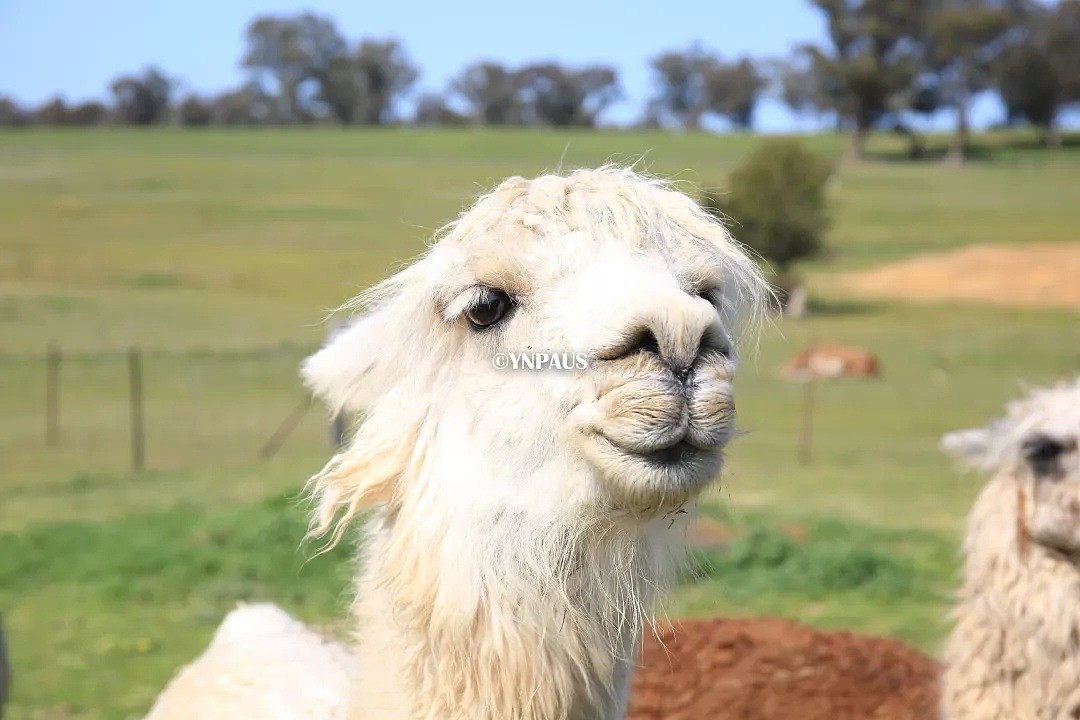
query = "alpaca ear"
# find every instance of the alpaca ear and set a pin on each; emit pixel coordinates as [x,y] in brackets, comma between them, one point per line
[342,374]
[971,448]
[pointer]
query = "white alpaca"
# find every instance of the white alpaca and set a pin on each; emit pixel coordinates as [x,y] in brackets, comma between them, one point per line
[1015,648]
[521,523]
[260,664]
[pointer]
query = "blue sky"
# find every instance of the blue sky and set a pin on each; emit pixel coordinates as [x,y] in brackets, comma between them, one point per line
[201,41]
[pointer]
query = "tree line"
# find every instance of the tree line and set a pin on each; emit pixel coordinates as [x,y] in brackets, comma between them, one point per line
[883,61]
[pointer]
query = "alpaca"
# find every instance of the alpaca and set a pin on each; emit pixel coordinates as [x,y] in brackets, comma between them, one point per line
[773,669]
[1015,649]
[521,524]
[260,664]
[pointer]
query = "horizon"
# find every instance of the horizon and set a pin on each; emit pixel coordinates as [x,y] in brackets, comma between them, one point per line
[117,37]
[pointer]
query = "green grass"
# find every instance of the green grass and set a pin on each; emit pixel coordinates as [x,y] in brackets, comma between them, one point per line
[219,253]
[122,603]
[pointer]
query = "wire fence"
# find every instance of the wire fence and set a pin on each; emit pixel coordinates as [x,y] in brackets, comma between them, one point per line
[149,410]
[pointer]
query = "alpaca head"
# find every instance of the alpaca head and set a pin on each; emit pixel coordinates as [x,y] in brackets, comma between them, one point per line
[637,295]
[1036,447]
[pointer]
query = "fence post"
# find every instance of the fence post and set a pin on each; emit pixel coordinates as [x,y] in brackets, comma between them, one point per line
[138,435]
[52,396]
[336,422]
[337,430]
[284,430]
[807,430]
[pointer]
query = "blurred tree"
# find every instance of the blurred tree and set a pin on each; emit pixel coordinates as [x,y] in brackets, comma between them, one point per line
[57,112]
[363,87]
[11,115]
[388,74]
[681,95]
[922,97]
[143,99]
[732,90]
[650,119]
[874,57]
[433,109]
[963,38]
[248,105]
[801,88]
[291,50]
[342,88]
[564,97]
[54,112]
[90,112]
[194,112]
[776,198]
[491,92]
[694,83]
[1039,72]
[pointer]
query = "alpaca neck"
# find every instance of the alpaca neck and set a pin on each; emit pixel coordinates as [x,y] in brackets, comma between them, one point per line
[1008,570]
[460,621]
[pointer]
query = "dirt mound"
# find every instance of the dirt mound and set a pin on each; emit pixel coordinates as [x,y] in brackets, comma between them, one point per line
[772,669]
[1019,275]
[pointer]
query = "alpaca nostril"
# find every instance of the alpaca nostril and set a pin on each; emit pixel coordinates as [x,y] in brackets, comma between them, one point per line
[643,342]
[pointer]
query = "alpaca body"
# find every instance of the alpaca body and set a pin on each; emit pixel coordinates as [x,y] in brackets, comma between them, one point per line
[1015,648]
[261,665]
[1014,651]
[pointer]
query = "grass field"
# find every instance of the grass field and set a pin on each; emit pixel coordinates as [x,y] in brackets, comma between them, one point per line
[218,253]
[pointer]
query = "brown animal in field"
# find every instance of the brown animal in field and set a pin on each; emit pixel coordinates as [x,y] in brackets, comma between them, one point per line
[773,669]
[832,360]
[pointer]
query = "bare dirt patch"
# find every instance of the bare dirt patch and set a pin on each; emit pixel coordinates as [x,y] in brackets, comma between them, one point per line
[1036,276]
[772,669]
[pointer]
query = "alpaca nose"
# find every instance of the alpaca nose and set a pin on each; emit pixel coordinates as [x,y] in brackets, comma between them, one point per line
[674,336]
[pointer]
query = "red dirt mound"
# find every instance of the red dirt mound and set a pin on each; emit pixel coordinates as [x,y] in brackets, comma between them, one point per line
[772,669]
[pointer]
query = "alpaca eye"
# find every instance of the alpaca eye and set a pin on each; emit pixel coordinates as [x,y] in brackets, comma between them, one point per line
[490,309]
[1042,453]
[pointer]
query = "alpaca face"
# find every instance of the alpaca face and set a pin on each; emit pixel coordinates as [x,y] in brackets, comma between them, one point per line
[646,408]
[1053,462]
[636,291]
[1036,446]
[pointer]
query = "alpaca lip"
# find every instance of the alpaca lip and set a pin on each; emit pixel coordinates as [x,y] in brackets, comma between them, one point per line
[680,452]
[657,478]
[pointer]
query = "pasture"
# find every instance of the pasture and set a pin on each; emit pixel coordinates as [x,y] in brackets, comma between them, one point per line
[219,253]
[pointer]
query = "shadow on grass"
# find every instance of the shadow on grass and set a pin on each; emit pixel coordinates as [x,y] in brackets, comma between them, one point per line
[935,149]
[842,307]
